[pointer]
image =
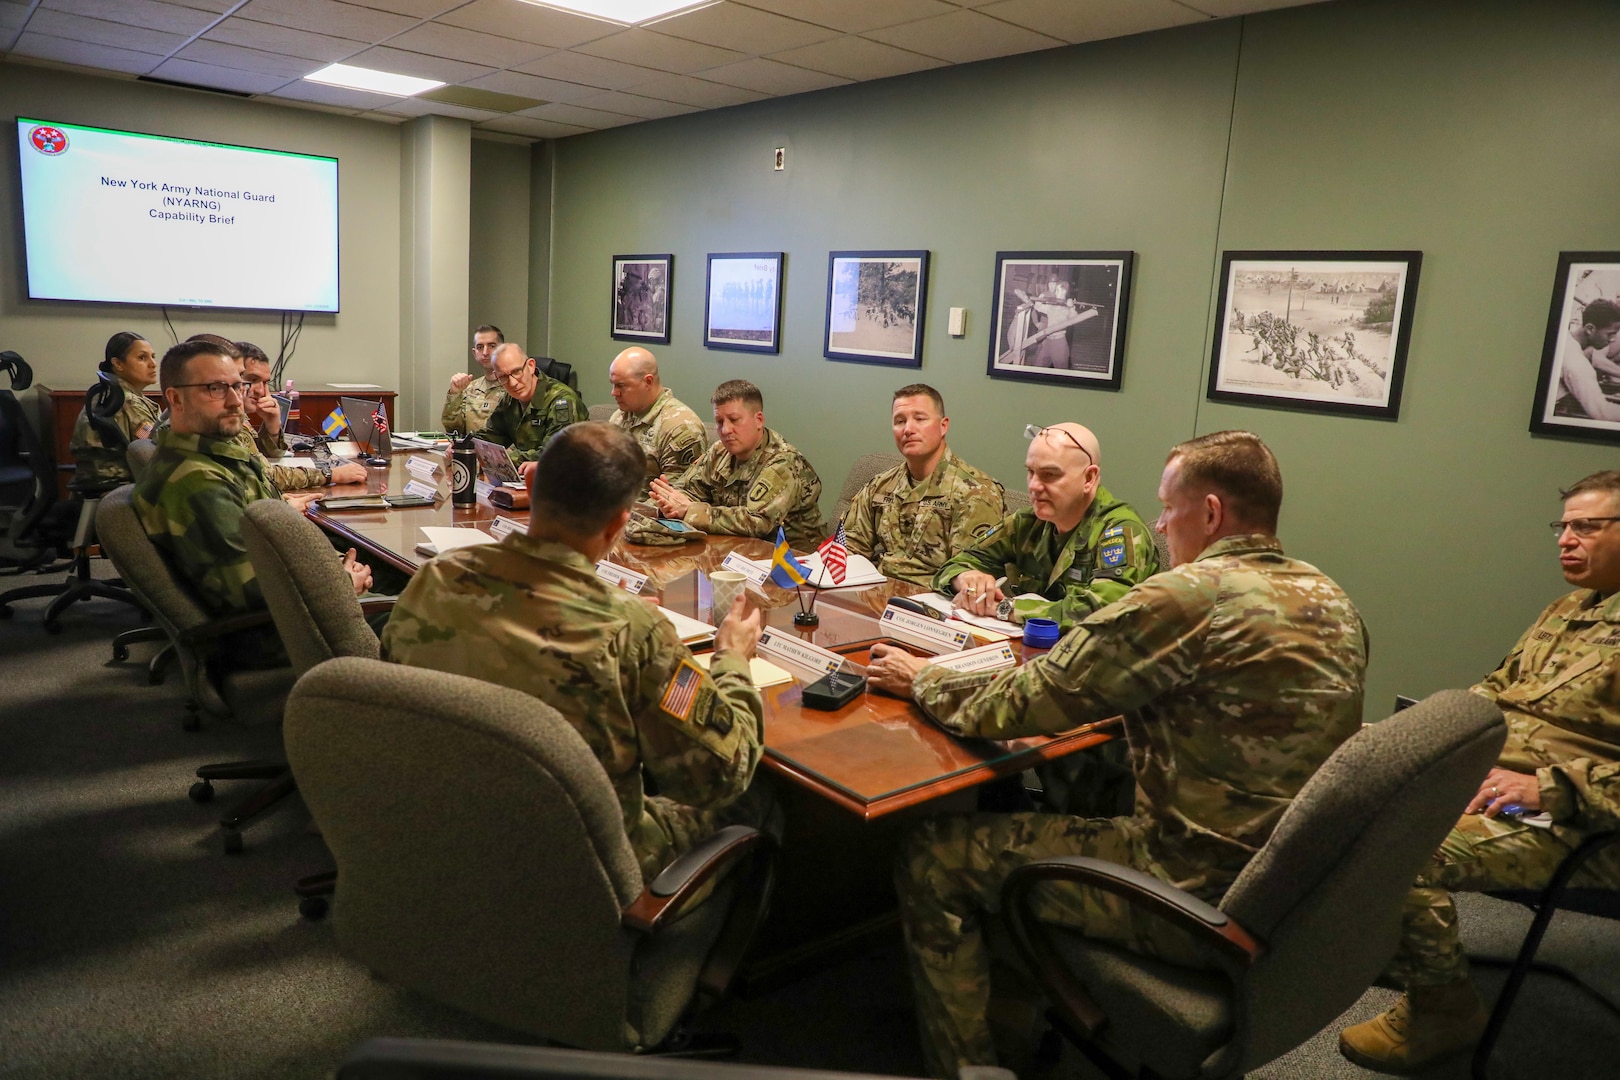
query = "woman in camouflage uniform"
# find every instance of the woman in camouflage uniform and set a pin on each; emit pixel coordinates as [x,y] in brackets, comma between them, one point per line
[130,360]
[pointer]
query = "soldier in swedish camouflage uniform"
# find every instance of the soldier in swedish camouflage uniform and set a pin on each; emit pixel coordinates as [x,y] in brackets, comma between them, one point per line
[750,481]
[535,408]
[1558,692]
[130,360]
[910,519]
[670,434]
[1238,673]
[530,613]
[471,399]
[1076,549]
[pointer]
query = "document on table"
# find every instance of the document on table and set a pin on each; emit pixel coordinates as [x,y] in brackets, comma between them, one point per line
[354,386]
[859,572]
[761,671]
[441,539]
[689,629]
[944,606]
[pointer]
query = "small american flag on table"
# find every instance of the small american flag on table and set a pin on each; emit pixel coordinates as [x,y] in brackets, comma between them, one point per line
[835,555]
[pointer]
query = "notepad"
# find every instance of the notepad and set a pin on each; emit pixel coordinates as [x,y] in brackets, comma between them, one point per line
[441,539]
[761,672]
[689,629]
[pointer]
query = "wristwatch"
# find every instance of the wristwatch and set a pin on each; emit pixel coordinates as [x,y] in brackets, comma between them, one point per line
[1004,610]
[325,465]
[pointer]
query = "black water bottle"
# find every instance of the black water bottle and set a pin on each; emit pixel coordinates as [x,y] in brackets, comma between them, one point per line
[463,474]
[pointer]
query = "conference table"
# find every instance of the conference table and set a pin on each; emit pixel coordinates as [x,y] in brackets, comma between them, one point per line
[854,778]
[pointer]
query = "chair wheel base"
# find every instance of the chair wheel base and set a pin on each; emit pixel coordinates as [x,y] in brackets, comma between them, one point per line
[313,908]
[53,628]
[708,1046]
[233,842]
[120,653]
[202,791]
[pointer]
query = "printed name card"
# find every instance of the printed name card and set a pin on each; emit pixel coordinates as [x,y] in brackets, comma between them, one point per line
[756,575]
[622,576]
[930,634]
[502,527]
[482,488]
[422,467]
[798,653]
[986,658]
[417,489]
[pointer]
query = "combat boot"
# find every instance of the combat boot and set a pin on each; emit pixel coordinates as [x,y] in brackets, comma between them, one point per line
[1427,1025]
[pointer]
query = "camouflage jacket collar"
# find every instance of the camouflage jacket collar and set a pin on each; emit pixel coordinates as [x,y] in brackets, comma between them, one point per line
[206,445]
[931,483]
[635,420]
[130,390]
[1591,607]
[1247,544]
[729,468]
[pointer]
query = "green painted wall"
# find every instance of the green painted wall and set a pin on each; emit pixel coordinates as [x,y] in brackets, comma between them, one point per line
[1482,133]
[498,267]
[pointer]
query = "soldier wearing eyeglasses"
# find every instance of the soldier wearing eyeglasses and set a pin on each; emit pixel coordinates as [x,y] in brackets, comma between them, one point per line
[1560,691]
[1076,549]
[535,408]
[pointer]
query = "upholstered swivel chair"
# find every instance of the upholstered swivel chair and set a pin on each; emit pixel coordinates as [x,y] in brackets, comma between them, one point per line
[1302,932]
[602,412]
[860,474]
[1016,499]
[140,455]
[482,860]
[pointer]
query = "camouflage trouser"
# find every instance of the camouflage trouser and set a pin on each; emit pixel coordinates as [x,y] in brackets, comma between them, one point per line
[949,879]
[1480,853]
[1094,783]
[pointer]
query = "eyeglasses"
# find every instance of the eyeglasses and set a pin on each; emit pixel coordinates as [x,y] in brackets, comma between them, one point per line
[505,378]
[215,391]
[1589,526]
[1031,432]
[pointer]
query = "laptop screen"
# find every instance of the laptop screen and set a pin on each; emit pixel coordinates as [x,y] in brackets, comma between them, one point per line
[362,428]
[496,462]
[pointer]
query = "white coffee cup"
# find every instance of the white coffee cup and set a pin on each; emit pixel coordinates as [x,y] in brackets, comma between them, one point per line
[725,586]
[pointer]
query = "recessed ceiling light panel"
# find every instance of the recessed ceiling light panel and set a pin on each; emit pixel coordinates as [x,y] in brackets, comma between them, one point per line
[378,82]
[627,12]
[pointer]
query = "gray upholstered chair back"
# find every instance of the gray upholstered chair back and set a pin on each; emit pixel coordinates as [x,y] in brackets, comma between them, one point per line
[142,567]
[1017,499]
[305,587]
[603,412]
[481,852]
[139,454]
[1161,544]
[1325,892]
[860,474]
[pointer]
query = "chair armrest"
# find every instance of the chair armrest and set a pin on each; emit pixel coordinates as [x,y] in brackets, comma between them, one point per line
[230,624]
[676,883]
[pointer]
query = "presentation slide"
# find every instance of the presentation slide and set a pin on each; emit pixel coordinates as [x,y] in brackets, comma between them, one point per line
[123,217]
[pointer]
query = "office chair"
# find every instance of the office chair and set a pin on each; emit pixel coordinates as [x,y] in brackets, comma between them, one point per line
[1016,499]
[482,860]
[602,412]
[27,479]
[556,369]
[140,455]
[1161,544]
[860,474]
[1336,869]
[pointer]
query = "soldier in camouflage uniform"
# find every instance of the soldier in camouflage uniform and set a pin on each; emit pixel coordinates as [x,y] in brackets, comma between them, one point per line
[670,434]
[1557,689]
[531,614]
[909,519]
[1238,673]
[129,359]
[750,481]
[535,408]
[471,399]
[1076,548]
[262,434]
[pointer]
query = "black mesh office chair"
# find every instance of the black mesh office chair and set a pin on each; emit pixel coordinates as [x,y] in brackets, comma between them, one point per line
[556,369]
[27,478]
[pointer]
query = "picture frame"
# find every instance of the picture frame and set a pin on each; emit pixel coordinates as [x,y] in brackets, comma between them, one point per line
[1339,344]
[1060,317]
[1578,385]
[642,287]
[742,301]
[876,307]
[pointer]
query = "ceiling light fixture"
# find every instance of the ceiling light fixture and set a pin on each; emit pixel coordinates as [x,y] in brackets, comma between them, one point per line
[624,12]
[377,82]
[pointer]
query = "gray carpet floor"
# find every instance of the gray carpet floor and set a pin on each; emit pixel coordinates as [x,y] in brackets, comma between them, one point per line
[131,946]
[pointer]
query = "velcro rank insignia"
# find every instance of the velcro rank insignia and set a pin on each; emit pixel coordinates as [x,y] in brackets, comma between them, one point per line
[1112,553]
[682,692]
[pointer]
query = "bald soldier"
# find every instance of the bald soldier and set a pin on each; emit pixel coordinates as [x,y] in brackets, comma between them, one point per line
[1238,673]
[750,481]
[535,408]
[530,613]
[1076,549]
[909,519]
[670,434]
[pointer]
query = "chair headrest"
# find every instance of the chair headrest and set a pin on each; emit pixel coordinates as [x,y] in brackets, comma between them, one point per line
[103,401]
[556,369]
[22,376]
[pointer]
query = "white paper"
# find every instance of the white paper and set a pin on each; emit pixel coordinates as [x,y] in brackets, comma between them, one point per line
[354,385]
[689,629]
[859,574]
[944,606]
[424,467]
[748,568]
[761,672]
[295,461]
[441,539]
[800,656]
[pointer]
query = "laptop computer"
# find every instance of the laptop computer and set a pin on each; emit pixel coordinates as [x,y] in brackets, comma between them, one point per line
[496,463]
[363,429]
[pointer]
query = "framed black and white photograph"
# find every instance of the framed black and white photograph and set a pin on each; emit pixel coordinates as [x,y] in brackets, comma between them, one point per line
[641,292]
[1060,317]
[742,303]
[875,306]
[1578,390]
[1325,331]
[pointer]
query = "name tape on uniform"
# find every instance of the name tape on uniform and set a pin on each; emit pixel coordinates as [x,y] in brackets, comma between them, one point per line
[755,574]
[930,634]
[991,657]
[622,576]
[422,466]
[418,489]
[502,527]
[799,653]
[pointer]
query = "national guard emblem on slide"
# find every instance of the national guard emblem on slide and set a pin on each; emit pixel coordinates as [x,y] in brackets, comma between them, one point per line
[48,140]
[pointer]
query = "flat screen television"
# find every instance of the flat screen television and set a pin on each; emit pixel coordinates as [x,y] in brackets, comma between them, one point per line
[128,218]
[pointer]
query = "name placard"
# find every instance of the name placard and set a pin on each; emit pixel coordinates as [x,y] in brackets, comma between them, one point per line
[482,488]
[930,634]
[756,575]
[622,576]
[422,466]
[799,653]
[420,490]
[502,527]
[992,657]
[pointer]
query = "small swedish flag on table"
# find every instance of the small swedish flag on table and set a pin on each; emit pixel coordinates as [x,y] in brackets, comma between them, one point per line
[786,571]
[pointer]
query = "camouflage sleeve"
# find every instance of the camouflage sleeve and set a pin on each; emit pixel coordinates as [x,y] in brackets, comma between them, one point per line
[270,443]
[979,510]
[454,416]
[1140,561]
[989,555]
[683,447]
[1117,660]
[770,501]
[208,549]
[1584,792]
[694,482]
[294,477]
[701,733]
[860,525]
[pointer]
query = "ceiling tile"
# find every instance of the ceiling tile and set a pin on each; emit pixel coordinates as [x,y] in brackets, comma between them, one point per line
[700,92]
[234,56]
[857,58]
[528,125]
[401,62]
[652,50]
[543,26]
[307,106]
[436,39]
[85,54]
[644,108]
[283,39]
[339,96]
[1094,20]
[219,78]
[415,107]
[745,29]
[384,118]
[515,82]
[64,24]
[415,9]
[963,36]
[771,78]
[590,70]
[854,16]
[580,117]
[331,17]
[12,16]
[150,14]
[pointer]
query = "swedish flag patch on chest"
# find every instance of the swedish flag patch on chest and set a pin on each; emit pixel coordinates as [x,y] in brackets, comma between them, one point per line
[1112,553]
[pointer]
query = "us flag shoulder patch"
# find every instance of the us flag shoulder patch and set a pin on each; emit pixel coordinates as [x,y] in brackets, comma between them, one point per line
[682,690]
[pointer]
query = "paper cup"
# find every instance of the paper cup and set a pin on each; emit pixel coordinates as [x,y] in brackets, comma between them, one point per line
[724,586]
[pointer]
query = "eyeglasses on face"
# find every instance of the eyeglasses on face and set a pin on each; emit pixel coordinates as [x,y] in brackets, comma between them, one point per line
[1581,526]
[1031,432]
[215,391]
[506,377]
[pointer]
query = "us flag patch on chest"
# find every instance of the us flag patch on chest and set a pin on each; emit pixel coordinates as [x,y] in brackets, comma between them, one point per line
[682,690]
